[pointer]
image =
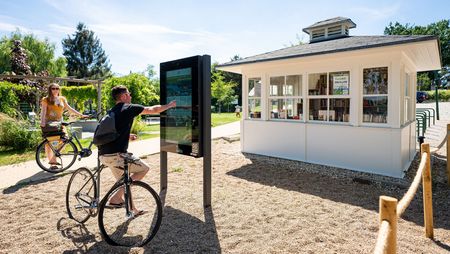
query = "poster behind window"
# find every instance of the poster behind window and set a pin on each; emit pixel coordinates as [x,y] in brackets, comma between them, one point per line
[340,84]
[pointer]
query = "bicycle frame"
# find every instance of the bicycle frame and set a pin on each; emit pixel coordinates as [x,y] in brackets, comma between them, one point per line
[77,142]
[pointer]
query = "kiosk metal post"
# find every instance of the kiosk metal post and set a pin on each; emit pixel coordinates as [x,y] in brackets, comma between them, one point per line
[206,94]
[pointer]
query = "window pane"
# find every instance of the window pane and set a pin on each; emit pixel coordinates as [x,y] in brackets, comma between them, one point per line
[375,80]
[407,109]
[339,110]
[254,87]
[276,86]
[375,109]
[317,84]
[339,83]
[277,109]
[407,84]
[294,109]
[294,85]
[318,109]
[254,108]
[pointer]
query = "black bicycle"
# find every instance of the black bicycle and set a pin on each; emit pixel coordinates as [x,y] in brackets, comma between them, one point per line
[62,150]
[118,224]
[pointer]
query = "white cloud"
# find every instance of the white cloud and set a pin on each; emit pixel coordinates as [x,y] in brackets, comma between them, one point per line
[10,27]
[134,46]
[378,13]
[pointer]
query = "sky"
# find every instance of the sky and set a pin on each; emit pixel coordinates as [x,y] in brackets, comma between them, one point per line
[136,33]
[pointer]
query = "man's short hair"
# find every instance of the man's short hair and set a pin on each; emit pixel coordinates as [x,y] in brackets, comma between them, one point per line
[117,91]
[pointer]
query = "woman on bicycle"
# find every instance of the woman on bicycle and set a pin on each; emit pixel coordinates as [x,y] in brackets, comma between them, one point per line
[52,109]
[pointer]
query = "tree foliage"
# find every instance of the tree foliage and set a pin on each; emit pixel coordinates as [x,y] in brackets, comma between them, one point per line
[85,56]
[142,92]
[79,96]
[226,77]
[423,81]
[40,54]
[222,91]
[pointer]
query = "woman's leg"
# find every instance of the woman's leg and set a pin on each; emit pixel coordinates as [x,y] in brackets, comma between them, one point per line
[50,155]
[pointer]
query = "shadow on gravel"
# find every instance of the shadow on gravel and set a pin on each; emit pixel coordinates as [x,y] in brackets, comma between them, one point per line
[37,178]
[179,233]
[339,185]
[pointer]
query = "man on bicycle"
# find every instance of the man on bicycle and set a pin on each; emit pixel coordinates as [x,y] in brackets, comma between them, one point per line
[109,154]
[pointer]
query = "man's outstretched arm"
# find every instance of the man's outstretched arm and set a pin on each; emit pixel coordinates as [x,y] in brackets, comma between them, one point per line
[158,108]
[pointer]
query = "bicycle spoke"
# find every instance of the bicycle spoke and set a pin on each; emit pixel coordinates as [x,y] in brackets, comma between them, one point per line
[80,195]
[141,226]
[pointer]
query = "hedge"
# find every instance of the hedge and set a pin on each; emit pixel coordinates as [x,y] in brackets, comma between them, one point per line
[444,95]
[78,95]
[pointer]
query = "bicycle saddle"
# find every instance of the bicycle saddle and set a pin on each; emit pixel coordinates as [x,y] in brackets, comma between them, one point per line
[129,157]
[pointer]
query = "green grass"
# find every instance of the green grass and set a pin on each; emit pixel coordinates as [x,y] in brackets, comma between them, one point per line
[223,118]
[8,157]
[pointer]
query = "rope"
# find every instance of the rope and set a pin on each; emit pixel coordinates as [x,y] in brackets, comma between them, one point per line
[409,195]
[383,235]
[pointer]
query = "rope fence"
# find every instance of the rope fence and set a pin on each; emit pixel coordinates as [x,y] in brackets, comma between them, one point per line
[391,209]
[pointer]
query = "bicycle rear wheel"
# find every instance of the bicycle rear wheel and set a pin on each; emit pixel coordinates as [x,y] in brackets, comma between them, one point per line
[81,195]
[68,154]
[138,229]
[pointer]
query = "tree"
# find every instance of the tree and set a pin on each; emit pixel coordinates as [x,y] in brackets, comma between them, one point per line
[230,77]
[40,54]
[139,86]
[85,56]
[150,73]
[423,81]
[221,90]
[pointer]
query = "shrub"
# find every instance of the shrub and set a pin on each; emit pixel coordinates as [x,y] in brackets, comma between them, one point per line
[138,125]
[18,135]
[444,95]
[8,99]
[78,95]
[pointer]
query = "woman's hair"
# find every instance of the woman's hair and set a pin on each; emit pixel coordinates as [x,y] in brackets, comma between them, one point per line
[50,98]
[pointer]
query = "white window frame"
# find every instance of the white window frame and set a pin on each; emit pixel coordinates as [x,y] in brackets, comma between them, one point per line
[253,98]
[407,99]
[328,97]
[285,98]
[375,95]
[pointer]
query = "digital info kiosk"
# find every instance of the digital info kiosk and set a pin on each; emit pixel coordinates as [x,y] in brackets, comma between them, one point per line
[186,129]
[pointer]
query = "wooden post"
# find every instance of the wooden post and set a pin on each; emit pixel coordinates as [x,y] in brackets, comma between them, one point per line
[427,194]
[99,97]
[388,212]
[448,153]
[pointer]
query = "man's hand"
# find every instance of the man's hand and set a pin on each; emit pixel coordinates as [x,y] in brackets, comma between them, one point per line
[172,104]
[133,136]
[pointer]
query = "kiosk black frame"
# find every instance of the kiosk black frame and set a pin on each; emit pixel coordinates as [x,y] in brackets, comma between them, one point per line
[201,105]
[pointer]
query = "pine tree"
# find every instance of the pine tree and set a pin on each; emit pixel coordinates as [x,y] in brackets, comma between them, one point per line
[85,56]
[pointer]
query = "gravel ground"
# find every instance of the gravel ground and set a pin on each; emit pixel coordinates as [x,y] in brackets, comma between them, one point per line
[259,205]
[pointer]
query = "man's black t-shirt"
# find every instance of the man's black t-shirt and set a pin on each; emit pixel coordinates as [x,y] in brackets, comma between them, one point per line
[124,114]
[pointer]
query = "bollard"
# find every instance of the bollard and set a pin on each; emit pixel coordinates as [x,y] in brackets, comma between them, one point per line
[421,139]
[388,212]
[427,194]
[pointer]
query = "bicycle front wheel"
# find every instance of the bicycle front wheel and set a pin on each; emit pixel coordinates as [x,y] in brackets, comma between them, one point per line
[118,228]
[81,202]
[55,163]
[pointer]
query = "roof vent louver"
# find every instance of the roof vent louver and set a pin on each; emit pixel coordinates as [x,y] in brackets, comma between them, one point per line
[329,29]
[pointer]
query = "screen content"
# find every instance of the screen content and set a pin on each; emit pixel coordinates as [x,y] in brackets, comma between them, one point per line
[180,132]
